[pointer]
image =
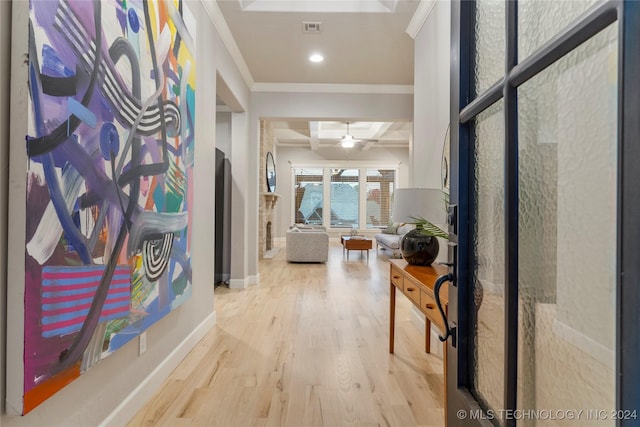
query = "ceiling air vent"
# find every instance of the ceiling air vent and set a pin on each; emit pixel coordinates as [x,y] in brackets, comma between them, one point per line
[311,27]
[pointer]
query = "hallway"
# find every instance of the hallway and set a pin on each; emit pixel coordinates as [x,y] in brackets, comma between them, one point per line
[308,346]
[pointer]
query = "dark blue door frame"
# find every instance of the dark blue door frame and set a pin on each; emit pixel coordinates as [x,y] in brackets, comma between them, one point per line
[466,105]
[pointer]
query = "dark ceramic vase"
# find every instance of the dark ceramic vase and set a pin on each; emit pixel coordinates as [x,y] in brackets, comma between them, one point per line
[418,249]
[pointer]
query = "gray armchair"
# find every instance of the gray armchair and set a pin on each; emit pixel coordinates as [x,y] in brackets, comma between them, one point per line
[307,245]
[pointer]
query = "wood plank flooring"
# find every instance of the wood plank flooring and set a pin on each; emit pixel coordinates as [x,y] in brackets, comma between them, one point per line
[308,346]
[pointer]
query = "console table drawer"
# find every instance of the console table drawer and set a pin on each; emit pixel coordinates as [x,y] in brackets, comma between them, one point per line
[396,277]
[412,290]
[430,309]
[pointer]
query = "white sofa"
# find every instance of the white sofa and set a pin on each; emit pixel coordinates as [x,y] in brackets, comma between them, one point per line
[390,237]
[307,244]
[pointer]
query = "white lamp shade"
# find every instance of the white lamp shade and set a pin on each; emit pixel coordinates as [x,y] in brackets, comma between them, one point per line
[427,203]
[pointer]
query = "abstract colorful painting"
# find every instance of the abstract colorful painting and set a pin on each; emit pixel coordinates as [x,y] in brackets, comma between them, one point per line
[109,196]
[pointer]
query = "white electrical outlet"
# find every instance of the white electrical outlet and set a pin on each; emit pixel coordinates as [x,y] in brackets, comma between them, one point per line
[143,343]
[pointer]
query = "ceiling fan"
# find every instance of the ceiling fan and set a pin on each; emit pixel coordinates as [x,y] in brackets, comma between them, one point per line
[348,141]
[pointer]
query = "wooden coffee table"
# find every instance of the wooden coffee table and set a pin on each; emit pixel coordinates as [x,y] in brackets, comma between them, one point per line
[356,243]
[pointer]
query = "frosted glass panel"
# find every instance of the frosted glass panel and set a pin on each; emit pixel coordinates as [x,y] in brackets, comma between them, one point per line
[567,227]
[539,20]
[488,247]
[489,43]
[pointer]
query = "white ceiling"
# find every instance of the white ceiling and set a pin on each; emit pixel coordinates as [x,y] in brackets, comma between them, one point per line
[358,47]
[364,42]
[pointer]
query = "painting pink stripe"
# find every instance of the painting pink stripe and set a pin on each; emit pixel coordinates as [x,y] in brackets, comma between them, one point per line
[78,320]
[82,306]
[78,297]
[90,286]
[60,275]
[71,322]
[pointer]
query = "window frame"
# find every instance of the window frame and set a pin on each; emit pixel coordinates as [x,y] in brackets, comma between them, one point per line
[362,167]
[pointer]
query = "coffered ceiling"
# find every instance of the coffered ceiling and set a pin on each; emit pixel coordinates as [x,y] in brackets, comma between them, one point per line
[363,42]
[318,135]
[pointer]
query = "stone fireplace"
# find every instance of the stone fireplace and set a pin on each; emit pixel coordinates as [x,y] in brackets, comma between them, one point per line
[268,200]
[268,244]
[267,213]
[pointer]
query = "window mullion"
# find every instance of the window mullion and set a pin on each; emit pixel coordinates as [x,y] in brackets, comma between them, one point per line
[326,197]
[362,198]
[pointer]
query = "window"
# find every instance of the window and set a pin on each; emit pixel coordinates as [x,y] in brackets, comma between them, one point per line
[356,197]
[308,196]
[345,194]
[380,187]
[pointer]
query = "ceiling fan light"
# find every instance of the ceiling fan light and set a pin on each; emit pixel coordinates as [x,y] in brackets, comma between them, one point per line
[347,141]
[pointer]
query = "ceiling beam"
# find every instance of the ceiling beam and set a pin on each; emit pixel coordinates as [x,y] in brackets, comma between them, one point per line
[419,17]
[378,129]
[368,145]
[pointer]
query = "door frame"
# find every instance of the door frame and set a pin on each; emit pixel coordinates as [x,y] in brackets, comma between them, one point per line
[464,107]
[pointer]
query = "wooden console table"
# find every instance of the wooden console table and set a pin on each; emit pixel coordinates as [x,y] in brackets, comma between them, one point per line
[416,283]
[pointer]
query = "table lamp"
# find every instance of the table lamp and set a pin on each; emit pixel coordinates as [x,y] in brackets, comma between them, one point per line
[420,246]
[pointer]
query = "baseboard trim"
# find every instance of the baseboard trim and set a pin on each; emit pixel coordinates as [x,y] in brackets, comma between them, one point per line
[244,283]
[237,284]
[126,410]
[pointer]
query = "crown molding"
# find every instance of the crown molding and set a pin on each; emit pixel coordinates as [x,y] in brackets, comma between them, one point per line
[216,16]
[332,88]
[419,17]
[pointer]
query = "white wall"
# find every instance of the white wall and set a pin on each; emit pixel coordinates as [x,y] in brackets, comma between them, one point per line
[5,44]
[223,133]
[294,155]
[241,224]
[313,106]
[113,390]
[431,95]
[236,95]
[432,58]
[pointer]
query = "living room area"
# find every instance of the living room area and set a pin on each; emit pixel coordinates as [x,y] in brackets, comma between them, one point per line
[342,191]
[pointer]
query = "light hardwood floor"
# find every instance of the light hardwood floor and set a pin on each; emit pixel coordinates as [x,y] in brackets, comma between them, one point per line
[308,346]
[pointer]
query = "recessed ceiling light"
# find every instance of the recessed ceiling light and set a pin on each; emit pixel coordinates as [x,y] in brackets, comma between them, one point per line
[316,57]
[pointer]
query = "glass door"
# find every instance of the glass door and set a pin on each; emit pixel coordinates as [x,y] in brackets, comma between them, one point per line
[545,214]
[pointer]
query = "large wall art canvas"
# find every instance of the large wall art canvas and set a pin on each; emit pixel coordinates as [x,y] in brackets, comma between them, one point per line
[109,180]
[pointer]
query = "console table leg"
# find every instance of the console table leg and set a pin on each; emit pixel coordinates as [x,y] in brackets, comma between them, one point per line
[392,315]
[427,335]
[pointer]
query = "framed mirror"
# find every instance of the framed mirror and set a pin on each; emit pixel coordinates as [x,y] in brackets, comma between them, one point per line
[444,167]
[271,173]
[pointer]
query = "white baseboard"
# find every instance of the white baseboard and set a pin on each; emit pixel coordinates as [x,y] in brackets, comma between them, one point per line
[123,413]
[237,284]
[244,283]
[417,318]
[602,354]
